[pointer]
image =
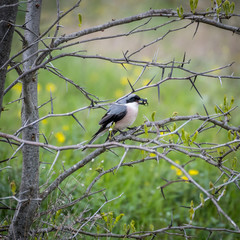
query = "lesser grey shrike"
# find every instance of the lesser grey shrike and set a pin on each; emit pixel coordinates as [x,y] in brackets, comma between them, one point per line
[120,115]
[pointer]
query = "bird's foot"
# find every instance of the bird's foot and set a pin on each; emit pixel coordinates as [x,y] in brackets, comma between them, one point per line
[124,133]
[132,128]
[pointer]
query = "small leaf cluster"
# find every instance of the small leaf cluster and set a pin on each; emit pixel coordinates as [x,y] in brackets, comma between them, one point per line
[232,135]
[191,212]
[226,106]
[193,5]
[180,12]
[187,139]
[225,6]
[228,7]
[127,228]
[109,220]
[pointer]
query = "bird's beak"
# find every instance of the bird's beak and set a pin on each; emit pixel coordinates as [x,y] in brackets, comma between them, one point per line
[143,101]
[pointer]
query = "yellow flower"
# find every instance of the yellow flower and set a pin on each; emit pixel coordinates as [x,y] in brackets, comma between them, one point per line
[129,66]
[137,71]
[145,82]
[44,121]
[124,81]
[17,88]
[193,172]
[178,172]
[51,86]
[39,87]
[60,137]
[152,155]
[173,167]
[184,178]
[118,93]
[65,127]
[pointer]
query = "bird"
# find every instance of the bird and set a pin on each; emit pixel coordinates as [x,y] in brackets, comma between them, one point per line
[120,115]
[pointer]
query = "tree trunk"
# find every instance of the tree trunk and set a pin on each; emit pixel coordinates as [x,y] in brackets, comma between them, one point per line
[7,18]
[29,189]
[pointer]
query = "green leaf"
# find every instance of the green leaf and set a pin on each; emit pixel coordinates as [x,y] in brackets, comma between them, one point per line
[232,101]
[195,4]
[132,225]
[153,116]
[225,100]
[212,4]
[174,114]
[218,11]
[191,211]
[126,228]
[98,228]
[221,151]
[104,217]
[232,7]
[202,198]
[80,20]
[151,227]
[219,2]
[229,135]
[143,152]
[13,187]
[211,185]
[146,130]
[118,218]
[58,214]
[226,7]
[192,204]
[180,12]
[235,135]
[110,221]
[234,163]
[191,4]
[5,223]
[183,135]
[195,136]
[187,137]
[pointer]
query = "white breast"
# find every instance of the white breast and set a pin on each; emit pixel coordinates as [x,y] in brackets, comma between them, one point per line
[129,118]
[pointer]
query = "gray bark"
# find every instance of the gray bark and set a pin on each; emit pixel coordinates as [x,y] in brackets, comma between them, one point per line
[29,189]
[7,19]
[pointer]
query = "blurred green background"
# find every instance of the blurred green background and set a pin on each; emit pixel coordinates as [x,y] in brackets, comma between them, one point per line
[142,200]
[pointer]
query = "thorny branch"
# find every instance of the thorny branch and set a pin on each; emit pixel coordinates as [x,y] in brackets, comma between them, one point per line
[191,151]
[157,146]
[204,17]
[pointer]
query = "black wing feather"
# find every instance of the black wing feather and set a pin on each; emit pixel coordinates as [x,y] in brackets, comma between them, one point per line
[115,113]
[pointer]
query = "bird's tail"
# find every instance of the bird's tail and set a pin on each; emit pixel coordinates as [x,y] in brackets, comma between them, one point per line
[98,134]
[94,138]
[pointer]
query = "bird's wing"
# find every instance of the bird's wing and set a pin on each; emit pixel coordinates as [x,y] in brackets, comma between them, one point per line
[115,113]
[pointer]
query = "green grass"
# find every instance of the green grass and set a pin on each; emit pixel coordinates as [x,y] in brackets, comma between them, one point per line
[142,200]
